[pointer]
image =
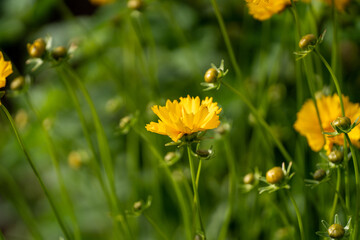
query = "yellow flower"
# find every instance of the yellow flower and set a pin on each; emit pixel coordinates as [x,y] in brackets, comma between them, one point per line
[185,117]
[5,70]
[339,4]
[264,9]
[307,123]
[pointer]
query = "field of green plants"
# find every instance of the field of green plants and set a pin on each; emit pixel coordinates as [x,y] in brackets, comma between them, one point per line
[179,119]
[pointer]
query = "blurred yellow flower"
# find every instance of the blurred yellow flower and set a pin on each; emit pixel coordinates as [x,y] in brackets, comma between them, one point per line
[100,2]
[339,4]
[264,9]
[307,123]
[185,117]
[5,70]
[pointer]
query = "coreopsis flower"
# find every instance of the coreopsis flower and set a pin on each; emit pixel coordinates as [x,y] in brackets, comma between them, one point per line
[5,70]
[264,9]
[339,4]
[185,117]
[307,123]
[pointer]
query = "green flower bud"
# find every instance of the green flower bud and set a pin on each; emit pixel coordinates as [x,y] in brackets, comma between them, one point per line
[249,178]
[59,52]
[319,174]
[170,156]
[137,205]
[307,40]
[341,124]
[275,175]
[198,237]
[336,156]
[211,75]
[336,231]
[37,49]
[135,4]
[17,83]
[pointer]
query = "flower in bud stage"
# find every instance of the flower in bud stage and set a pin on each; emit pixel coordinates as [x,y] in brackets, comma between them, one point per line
[211,75]
[319,174]
[275,175]
[17,83]
[135,4]
[59,53]
[249,178]
[336,231]
[307,40]
[36,49]
[277,178]
[341,124]
[137,205]
[336,156]
[75,160]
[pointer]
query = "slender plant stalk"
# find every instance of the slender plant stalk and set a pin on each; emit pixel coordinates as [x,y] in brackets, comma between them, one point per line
[346,177]
[2,236]
[338,183]
[226,38]
[195,189]
[198,174]
[156,227]
[55,160]
[298,215]
[20,203]
[261,121]
[335,41]
[357,183]
[34,169]
[232,188]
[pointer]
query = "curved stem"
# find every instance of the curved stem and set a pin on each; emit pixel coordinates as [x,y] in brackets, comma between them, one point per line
[298,215]
[195,189]
[261,121]
[357,183]
[338,183]
[34,169]
[226,39]
[336,82]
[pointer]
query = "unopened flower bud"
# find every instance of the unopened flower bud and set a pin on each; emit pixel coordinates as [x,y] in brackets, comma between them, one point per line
[336,156]
[342,123]
[336,231]
[307,40]
[249,178]
[137,205]
[198,237]
[36,49]
[21,119]
[17,83]
[275,175]
[59,52]
[169,156]
[211,75]
[75,160]
[135,4]
[319,174]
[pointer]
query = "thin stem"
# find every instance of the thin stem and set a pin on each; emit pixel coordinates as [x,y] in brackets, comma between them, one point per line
[262,122]
[55,160]
[298,215]
[335,41]
[226,38]
[195,189]
[198,174]
[346,177]
[338,183]
[357,183]
[156,227]
[34,169]
[336,82]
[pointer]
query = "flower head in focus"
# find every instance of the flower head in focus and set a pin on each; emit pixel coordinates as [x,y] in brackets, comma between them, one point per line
[264,9]
[307,123]
[189,115]
[5,70]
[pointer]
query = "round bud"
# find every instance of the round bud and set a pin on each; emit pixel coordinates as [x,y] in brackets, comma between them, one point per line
[319,174]
[75,160]
[169,156]
[135,4]
[137,205]
[36,49]
[307,40]
[198,237]
[59,52]
[203,153]
[17,83]
[249,178]
[336,231]
[342,123]
[211,75]
[275,175]
[336,156]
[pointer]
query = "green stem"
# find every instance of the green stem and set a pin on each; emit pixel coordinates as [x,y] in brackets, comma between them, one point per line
[55,161]
[232,189]
[156,227]
[34,169]
[298,215]
[195,189]
[261,121]
[198,174]
[338,183]
[336,82]
[346,177]
[179,195]
[357,183]
[226,39]
[2,236]
[335,41]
